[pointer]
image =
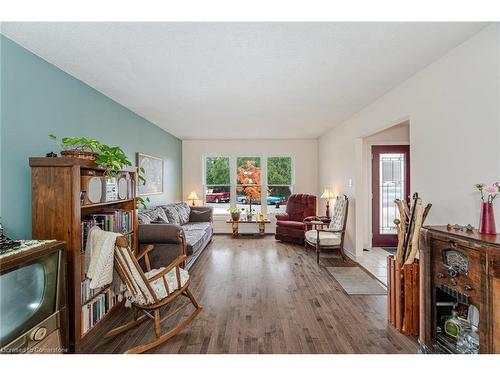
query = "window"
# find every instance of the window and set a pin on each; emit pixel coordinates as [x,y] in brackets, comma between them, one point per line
[392,187]
[279,183]
[248,183]
[217,184]
[264,183]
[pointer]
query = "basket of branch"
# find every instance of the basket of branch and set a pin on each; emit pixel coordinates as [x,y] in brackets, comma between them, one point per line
[403,268]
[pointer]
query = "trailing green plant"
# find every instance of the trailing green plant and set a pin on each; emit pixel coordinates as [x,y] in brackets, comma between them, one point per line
[112,159]
[141,177]
[78,143]
[142,202]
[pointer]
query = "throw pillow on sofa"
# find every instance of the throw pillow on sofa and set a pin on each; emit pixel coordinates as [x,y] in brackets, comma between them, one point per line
[162,216]
[184,211]
[197,216]
[147,216]
[150,216]
[172,214]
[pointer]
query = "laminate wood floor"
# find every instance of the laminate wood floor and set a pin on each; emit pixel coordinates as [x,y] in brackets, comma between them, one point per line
[264,296]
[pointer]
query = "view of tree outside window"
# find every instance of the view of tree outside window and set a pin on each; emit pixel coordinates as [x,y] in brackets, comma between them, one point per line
[217,184]
[279,183]
[248,180]
[246,177]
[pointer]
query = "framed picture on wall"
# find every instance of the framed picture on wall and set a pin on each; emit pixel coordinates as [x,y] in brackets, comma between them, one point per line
[153,174]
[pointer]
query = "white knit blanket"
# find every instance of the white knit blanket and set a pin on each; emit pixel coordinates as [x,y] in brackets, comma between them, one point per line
[100,248]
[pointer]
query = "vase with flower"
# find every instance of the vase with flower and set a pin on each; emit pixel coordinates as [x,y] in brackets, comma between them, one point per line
[488,195]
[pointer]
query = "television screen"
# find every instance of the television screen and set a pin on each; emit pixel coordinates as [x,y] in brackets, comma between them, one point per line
[27,296]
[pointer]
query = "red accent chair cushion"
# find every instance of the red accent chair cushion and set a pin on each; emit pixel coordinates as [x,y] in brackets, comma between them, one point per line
[290,225]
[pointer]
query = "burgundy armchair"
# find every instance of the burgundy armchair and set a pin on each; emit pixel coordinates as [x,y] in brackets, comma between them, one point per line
[290,225]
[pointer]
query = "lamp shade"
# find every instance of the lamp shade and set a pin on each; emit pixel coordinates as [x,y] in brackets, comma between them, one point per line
[192,196]
[327,194]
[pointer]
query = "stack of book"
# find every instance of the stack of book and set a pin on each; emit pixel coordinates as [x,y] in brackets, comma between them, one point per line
[94,311]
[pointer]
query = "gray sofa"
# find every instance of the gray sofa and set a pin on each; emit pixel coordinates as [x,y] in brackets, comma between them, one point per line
[164,225]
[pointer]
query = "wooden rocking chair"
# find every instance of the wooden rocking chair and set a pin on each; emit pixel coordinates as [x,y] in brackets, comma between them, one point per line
[151,291]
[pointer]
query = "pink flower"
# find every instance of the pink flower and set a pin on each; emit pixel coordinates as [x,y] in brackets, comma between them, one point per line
[491,190]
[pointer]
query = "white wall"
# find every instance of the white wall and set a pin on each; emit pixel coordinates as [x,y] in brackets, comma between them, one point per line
[304,154]
[453,107]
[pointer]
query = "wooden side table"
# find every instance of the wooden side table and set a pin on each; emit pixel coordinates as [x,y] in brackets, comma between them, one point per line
[235,225]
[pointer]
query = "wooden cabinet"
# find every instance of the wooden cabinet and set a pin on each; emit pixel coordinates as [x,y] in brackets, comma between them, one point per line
[494,297]
[461,268]
[57,212]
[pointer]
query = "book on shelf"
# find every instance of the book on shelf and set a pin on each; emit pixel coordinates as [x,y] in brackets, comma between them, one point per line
[96,309]
[86,292]
[118,221]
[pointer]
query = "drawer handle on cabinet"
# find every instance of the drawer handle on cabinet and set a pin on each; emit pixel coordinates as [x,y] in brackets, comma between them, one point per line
[453,244]
[468,287]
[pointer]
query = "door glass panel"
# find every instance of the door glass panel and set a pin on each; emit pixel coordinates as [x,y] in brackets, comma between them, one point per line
[392,186]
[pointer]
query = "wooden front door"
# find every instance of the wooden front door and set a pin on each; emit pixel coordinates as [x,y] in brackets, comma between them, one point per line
[390,181]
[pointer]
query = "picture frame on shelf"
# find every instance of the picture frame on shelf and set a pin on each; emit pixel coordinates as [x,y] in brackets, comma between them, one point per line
[153,174]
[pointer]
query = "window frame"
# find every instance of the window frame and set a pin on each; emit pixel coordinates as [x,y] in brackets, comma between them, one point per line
[204,178]
[237,185]
[292,172]
[233,169]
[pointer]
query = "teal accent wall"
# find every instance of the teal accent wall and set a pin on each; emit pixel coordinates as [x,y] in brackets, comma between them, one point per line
[36,99]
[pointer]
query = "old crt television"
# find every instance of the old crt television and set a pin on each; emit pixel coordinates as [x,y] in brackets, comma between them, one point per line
[32,298]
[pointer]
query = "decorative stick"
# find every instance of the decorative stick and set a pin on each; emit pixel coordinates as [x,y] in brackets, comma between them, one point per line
[403,218]
[399,251]
[426,212]
[410,226]
[419,215]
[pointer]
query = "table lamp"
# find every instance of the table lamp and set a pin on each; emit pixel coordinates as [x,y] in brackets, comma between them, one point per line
[327,194]
[193,197]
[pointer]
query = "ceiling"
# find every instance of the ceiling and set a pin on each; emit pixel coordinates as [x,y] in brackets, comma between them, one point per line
[242,80]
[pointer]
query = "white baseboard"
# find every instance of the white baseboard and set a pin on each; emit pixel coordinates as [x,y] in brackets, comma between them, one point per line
[350,254]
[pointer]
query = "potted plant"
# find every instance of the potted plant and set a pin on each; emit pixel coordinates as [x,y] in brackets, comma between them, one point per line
[250,213]
[488,195]
[111,159]
[235,213]
[78,147]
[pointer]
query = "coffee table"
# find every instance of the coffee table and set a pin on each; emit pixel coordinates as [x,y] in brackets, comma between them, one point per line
[261,223]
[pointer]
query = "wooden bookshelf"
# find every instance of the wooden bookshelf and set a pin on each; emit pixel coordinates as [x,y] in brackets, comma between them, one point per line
[57,213]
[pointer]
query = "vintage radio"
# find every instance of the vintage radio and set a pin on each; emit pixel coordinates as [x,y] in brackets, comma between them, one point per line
[109,190]
[91,187]
[460,276]
[122,186]
[98,189]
